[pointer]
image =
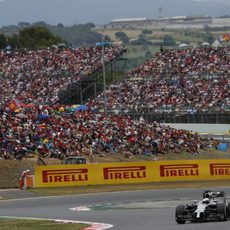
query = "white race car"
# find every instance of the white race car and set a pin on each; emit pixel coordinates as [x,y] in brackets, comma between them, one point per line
[213,206]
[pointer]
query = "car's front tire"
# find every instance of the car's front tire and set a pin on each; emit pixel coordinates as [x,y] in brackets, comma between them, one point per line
[179,214]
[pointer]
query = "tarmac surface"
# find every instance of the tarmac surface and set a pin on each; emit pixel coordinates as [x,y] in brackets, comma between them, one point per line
[135,210]
[16,194]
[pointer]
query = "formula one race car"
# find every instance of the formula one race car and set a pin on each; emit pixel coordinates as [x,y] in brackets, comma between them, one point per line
[212,207]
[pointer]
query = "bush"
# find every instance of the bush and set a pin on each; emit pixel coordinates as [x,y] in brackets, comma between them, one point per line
[122,36]
[141,41]
[168,40]
[146,31]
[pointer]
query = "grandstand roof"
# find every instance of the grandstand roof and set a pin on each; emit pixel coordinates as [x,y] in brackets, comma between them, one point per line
[128,19]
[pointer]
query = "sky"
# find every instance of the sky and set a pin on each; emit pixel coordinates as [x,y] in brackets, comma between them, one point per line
[69,12]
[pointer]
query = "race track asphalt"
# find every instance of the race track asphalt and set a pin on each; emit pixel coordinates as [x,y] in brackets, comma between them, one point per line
[136,210]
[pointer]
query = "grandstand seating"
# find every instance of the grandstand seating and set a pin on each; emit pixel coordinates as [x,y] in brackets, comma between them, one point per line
[177,82]
[33,121]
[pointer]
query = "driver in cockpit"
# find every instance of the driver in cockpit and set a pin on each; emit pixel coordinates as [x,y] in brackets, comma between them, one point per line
[207,199]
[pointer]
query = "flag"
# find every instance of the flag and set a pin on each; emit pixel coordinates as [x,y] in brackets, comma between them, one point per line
[13,105]
[226,37]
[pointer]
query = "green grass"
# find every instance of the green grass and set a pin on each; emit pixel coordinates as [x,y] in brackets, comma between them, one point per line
[190,39]
[139,51]
[128,187]
[24,224]
[131,33]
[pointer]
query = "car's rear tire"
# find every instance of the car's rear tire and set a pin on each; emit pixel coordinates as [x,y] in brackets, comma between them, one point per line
[221,211]
[179,214]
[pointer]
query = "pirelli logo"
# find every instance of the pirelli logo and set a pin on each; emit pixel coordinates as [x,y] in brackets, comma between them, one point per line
[65,175]
[220,169]
[178,170]
[130,172]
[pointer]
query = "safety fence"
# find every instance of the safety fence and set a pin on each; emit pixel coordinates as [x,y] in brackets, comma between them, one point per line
[180,117]
[134,172]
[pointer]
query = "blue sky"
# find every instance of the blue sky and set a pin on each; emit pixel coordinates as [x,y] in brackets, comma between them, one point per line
[71,12]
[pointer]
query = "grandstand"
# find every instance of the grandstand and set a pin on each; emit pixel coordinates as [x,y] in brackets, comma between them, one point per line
[185,86]
[91,85]
[176,22]
[35,119]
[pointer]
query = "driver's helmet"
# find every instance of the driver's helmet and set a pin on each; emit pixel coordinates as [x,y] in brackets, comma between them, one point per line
[206,201]
[207,196]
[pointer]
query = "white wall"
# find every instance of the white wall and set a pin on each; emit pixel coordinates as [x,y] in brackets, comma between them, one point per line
[202,128]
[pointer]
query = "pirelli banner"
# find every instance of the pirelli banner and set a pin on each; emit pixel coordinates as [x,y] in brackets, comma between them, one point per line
[135,172]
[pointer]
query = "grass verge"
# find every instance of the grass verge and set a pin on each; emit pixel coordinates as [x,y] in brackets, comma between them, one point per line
[24,224]
[130,187]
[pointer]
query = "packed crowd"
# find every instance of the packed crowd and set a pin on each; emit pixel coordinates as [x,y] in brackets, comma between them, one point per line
[37,76]
[174,81]
[32,120]
[177,95]
[194,61]
[59,134]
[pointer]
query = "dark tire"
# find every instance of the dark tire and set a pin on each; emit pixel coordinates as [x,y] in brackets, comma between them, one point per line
[221,212]
[179,214]
[228,210]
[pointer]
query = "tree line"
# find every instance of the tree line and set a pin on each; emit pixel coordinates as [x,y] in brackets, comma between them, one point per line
[41,34]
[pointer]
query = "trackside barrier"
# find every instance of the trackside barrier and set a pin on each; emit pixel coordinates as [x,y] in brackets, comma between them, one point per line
[134,172]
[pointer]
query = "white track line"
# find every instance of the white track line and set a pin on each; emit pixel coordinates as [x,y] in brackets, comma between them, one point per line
[80,209]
